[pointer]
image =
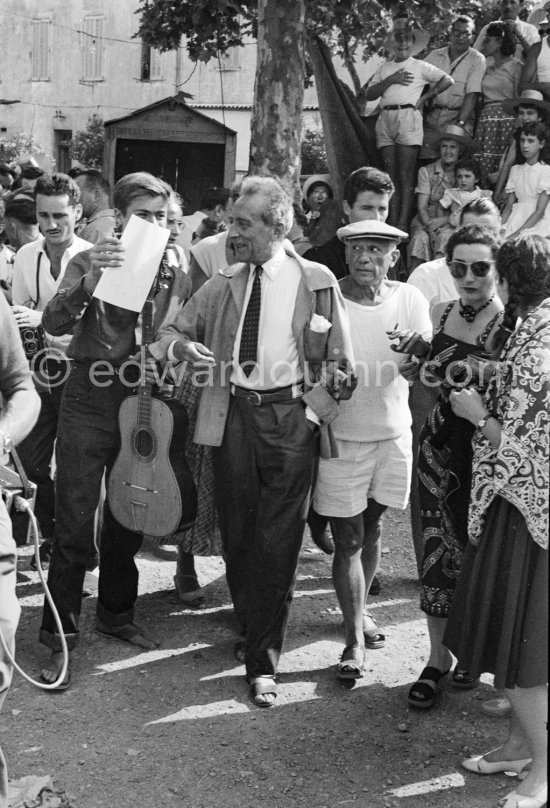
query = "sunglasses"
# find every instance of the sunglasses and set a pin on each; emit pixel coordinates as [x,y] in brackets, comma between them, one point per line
[480,269]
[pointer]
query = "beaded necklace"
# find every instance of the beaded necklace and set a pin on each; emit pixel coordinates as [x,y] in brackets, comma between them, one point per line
[469,313]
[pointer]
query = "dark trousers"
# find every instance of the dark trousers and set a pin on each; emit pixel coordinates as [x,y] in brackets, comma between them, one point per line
[36,451]
[263,472]
[88,440]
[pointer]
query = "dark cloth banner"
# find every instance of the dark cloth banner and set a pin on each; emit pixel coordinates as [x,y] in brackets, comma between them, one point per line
[350,143]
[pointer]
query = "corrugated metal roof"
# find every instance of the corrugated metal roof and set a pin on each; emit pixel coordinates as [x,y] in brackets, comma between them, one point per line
[238,106]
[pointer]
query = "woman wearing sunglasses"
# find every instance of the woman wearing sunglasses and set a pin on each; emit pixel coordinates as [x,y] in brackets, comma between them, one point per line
[499,620]
[462,328]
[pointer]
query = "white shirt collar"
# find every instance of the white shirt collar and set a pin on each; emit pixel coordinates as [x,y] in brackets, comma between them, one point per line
[273,266]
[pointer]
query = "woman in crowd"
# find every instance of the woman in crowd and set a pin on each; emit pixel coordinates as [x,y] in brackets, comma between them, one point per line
[495,125]
[434,179]
[499,619]
[324,213]
[462,328]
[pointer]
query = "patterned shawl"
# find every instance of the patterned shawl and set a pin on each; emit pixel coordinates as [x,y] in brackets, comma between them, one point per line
[518,395]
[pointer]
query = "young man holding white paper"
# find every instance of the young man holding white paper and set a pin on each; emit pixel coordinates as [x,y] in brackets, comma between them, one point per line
[103,373]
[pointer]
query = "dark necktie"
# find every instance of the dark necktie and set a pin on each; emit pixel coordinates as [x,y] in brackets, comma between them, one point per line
[248,350]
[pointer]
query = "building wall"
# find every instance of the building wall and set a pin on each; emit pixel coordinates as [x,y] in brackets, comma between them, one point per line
[62,98]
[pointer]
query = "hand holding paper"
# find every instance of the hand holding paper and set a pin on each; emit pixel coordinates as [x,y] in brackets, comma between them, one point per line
[127,283]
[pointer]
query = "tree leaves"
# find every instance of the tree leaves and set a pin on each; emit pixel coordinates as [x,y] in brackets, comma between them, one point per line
[350,27]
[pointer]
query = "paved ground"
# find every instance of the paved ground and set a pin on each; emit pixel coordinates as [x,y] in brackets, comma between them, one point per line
[175,727]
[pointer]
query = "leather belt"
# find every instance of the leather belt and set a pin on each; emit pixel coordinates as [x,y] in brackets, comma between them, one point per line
[258,397]
[399,106]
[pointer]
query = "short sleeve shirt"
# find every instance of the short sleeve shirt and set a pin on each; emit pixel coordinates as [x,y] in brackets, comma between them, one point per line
[467,71]
[423,72]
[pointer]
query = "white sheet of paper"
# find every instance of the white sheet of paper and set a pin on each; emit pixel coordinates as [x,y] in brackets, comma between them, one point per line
[128,286]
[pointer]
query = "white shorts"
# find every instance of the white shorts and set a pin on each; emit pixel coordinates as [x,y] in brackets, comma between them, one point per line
[378,470]
[399,126]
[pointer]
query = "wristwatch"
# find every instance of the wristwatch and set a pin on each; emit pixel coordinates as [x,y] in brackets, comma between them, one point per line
[461,123]
[482,421]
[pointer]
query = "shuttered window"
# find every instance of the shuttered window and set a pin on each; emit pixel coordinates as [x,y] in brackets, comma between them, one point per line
[231,60]
[41,50]
[93,49]
[151,63]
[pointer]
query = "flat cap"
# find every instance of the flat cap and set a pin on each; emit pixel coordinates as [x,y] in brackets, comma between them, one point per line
[370,228]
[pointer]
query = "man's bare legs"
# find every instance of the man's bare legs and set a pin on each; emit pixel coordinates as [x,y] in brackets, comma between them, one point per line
[356,558]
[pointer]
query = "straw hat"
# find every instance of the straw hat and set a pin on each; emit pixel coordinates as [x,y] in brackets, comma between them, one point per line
[453,132]
[420,37]
[531,98]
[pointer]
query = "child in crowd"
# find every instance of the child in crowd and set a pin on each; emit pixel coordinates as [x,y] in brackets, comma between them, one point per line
[454,199]
[399,83]
[528,187]
[529,107]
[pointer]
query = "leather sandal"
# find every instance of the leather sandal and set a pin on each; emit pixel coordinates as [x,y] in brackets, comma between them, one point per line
[422,692]
[129,634]
[352,663]
[373,638]
[263,686]
[51,666]
[462,679]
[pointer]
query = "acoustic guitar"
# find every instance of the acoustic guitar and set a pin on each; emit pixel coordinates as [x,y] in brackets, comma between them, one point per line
[145,494]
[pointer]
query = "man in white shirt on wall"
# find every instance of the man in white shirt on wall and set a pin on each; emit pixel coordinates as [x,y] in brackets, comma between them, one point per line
[524,33]
[38,270]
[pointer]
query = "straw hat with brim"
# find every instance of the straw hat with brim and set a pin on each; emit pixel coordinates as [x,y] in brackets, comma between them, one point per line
[528,98]
[420,37]
[456,133]
[313,180]
[370,228]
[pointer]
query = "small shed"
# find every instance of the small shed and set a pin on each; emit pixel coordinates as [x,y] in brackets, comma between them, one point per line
[185,148]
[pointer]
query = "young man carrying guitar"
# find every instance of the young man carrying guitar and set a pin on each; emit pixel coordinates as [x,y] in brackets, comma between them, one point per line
[88,436]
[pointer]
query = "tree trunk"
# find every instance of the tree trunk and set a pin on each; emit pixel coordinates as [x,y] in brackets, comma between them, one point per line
[279,91]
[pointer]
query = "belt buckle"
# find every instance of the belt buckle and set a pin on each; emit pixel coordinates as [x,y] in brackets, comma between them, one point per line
[254,398]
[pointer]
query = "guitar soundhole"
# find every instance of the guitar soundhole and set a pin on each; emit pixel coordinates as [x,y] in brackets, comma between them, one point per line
[144,444]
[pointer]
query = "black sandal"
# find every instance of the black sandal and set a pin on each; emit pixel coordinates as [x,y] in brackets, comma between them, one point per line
[463,680]
[422,692]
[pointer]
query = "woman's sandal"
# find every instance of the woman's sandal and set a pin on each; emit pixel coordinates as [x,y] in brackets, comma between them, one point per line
[422,692]
[352,663]
[373,638]
[193,598]
[462,679]
[261,686]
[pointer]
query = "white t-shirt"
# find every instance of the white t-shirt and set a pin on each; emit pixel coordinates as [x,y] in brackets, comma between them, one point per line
[423,72]
[379,407]
[435,281]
